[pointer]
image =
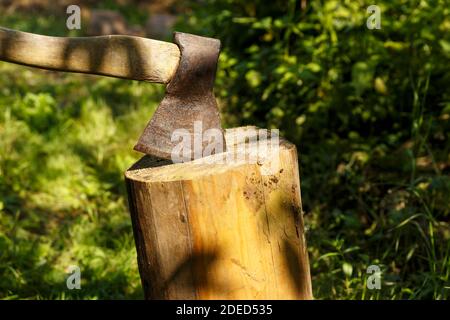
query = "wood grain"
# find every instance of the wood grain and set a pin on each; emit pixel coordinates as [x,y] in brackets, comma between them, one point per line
[220,230]
[118,56]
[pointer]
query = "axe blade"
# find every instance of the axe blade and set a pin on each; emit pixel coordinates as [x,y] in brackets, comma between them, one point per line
[189,98]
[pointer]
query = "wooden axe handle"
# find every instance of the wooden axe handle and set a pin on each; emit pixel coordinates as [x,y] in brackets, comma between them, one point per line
[118,56]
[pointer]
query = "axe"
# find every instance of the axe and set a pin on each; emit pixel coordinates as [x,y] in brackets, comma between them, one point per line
[187,67]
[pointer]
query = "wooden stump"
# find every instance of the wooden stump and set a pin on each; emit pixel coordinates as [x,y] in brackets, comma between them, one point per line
[220,230]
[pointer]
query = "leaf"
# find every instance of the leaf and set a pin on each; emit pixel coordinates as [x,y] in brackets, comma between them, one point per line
[380,86]
[362,74]
[314,67]
[395,45]
[244,20]
[300,120]
[445,45]
[347,268]
[253,78]
[406,221]
[326,255]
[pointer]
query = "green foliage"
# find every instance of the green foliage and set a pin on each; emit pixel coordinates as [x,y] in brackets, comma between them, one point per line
[65,141]
[133,15]
[369,111]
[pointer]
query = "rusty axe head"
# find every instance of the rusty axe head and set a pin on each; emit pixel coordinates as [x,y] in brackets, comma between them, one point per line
[189,98]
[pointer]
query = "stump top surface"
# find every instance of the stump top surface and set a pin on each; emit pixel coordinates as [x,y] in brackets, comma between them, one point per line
[152,169]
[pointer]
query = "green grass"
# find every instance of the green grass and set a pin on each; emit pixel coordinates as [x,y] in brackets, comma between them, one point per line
[66,139]
[65,142]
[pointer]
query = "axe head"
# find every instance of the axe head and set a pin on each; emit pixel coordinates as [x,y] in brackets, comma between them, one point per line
[189,99]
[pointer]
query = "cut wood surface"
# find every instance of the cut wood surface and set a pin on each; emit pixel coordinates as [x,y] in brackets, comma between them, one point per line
[220,231]
[119,56]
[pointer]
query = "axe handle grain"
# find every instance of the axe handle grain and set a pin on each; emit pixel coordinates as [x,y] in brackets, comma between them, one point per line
[118,56]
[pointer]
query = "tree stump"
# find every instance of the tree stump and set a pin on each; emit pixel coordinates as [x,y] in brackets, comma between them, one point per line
[220,230]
